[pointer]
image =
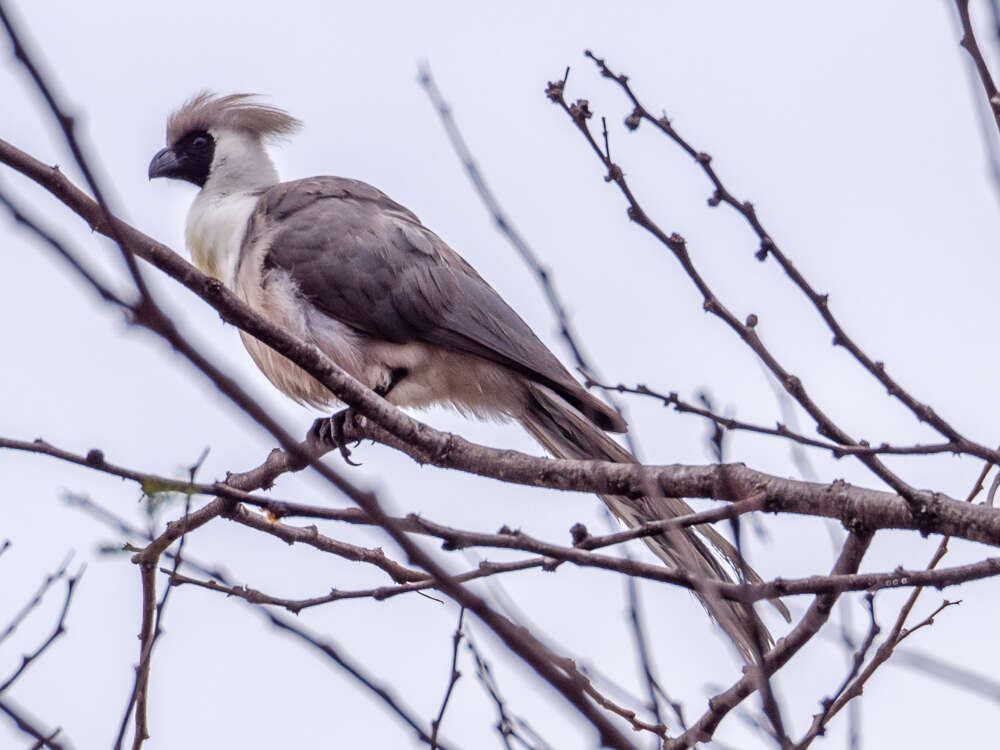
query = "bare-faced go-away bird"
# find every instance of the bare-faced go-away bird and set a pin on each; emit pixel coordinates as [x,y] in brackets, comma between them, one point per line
[341,265]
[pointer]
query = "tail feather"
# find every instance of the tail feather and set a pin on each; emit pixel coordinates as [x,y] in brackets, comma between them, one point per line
[566,433]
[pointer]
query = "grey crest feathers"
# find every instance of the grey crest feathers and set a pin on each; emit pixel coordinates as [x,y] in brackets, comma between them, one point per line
[207,110]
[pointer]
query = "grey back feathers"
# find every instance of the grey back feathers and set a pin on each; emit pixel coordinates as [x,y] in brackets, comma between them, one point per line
[366,261]
[240,112]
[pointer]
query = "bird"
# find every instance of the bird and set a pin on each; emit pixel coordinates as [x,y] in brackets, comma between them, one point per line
[339,264]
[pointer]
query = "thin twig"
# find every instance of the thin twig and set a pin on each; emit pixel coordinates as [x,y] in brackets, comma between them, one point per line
[821,719]
[863,448]
[35,600]
[20,216]
[579,112]
[853,687]
[506,726]
[453,677]
[27,725]
[768,246]
[58,630]
[115,521]
[332,652]
[68,126]
[428,445]
[972,47]
[381,593]
[510,232]
[816,616]
[645,659]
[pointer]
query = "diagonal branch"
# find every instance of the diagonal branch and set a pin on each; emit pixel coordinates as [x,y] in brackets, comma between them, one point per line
[674,401]
[27,725]
[517,241]
[815,617]
[931,512]
[58,630]
[579,112]
[768,246]
[32,603]
[354,670]
[453,677]
[972,47]
[68,126]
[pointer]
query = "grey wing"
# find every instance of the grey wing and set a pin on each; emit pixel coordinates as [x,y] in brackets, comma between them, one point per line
[366,261]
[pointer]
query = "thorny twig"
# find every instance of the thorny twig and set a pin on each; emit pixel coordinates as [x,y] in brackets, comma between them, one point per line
[20,718]
[578,554]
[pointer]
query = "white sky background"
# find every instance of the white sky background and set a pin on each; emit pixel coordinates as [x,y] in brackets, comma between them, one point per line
[852,129]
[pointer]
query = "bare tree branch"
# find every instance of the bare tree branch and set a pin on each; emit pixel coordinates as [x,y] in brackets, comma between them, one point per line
[428,445]
[863,447]
[333,653]
[507,228]
[768,246]
[68,126]
[815,617]
[58,630]
[32,603]
[27,725]
[972,47]
[353,670]
[862,511]
[453,677]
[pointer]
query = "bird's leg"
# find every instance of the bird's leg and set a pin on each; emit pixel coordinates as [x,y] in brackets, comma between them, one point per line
[396,375]
[330,430]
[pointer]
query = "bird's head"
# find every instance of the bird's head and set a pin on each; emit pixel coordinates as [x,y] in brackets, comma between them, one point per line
[221,138]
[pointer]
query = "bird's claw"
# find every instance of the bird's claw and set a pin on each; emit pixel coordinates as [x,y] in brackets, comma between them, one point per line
[330,432]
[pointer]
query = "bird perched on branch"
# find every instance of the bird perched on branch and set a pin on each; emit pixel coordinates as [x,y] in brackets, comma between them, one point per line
[339,264]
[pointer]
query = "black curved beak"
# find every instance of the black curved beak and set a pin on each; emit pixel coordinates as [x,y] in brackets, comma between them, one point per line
[164,164]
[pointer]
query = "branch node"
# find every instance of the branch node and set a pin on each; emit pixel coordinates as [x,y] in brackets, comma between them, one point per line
[633,120]
[580,111]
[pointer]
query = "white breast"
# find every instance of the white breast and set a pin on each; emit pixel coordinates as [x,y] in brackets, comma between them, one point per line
[216,225]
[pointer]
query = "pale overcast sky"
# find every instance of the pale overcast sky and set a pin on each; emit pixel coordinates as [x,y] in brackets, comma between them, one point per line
[852,128]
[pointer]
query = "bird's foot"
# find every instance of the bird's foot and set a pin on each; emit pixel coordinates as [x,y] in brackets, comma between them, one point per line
[330,432]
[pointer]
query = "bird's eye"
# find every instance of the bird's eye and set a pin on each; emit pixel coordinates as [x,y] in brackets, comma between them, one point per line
[200,141]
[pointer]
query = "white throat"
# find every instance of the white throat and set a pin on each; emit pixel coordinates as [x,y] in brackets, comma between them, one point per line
[217,221]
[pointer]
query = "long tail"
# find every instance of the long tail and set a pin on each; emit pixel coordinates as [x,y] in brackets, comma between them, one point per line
[566,433]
